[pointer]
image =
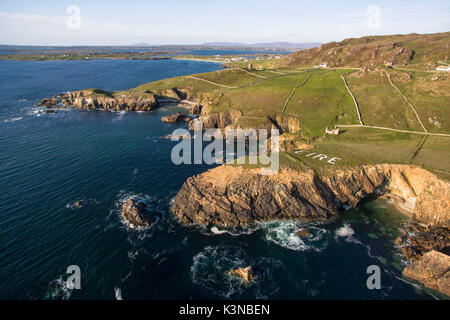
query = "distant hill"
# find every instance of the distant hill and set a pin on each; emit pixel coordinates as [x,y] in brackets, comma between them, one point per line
[399,50]
[269,45]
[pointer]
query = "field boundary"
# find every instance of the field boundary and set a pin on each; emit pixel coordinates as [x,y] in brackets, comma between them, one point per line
[407,101]
[354,100]
[293,91]
[391,129]
[214,83]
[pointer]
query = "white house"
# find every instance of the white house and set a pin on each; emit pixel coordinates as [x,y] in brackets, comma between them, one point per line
[443,68]
[323,65]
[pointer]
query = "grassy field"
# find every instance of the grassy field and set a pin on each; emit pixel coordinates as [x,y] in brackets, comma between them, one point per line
[429,94]
[322,102]
[380,104]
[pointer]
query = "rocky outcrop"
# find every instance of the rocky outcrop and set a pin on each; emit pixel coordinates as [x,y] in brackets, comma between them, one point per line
[246,274]
[416,245]
[135,212]
[219,120]
[303,233]
[100,100]
[176,117]
[230,196]
[432,270]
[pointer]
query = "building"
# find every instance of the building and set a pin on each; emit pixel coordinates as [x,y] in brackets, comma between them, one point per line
[332,131]
[323,65]
[443,68]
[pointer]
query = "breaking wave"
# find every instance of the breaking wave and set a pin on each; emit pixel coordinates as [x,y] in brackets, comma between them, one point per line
[283,233]
[210,266]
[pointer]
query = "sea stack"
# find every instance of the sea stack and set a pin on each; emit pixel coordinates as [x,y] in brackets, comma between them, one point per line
[135,212]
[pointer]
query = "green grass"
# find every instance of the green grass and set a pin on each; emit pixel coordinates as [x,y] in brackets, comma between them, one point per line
[431,98]
[380,104]
[323,101]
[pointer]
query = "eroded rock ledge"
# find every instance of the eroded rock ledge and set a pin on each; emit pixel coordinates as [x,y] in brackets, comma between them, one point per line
[101,100]
[231,196]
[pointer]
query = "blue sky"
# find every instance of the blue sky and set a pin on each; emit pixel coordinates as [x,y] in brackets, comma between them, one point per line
[114,22]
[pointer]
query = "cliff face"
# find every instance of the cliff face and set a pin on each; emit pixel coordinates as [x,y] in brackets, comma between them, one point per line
[432,270]
[90,99]
[230,120]
[230,196]
[84,99]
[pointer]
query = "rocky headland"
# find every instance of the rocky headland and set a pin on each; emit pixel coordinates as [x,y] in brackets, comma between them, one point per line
[95,99]
[231,196]
[235,196]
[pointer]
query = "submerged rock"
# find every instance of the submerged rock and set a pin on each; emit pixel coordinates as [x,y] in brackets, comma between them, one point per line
[246,274]
[135,212]
[176,117]
[432,270]
[303,233]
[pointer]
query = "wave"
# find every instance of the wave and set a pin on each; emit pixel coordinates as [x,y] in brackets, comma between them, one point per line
[235,231]
[283,233]
[209,271]
[345,231]
[118,294]
[58,290]
[121,115]
[13,119]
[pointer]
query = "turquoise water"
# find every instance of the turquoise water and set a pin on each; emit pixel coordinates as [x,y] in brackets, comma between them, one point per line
[49,161]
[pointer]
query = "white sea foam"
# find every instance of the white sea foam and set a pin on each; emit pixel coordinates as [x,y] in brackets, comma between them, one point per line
[118,294]
[209,271]
[13,119]
[58,290]
[283,233]
[209,267]
[345,231]
[121,114]
[235,232]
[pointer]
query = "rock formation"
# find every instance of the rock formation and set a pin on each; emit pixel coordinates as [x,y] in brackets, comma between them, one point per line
[302,233]
[176,117]
[432,270]
[246,274]
[135,212]
[90,99]
[230,196]
[415,246]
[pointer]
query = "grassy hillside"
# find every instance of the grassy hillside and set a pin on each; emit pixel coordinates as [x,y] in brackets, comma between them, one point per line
[423,51]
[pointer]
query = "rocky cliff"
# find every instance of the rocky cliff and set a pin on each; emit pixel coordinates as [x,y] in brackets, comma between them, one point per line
[230,196]
[432,270]
[101,100]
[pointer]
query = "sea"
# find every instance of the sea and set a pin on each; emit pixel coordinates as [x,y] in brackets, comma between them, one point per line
[49,163]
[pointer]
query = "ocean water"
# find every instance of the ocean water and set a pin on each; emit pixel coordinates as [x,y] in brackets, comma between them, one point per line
[50,161]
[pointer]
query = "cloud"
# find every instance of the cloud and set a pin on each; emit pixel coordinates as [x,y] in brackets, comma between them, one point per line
[30,28]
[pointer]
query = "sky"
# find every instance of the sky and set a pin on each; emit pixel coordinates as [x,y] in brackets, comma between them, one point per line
[112,22]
